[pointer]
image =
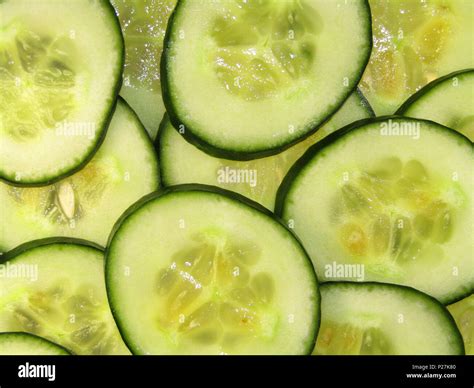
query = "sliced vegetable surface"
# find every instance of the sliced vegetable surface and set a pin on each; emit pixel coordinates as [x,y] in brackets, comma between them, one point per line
[384,319]
[24,344]
[415,42]
[181,162]
[222,277]
[392,195]
[143,25]
[59,78]
[463,313]
[87,204]
[55,288]
[447,100]
[248,78]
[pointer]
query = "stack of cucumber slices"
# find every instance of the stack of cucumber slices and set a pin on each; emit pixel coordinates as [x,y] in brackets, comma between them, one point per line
[209,177]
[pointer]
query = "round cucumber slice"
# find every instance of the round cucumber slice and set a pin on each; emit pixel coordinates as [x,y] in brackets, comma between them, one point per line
[390,200]
[86,204]
[259,179]
[208,285]
[415,42]
[143,26]
[384,319]
[60,72]
[447,100]
[246,79]
[463,313]
[55,288]
[24,344]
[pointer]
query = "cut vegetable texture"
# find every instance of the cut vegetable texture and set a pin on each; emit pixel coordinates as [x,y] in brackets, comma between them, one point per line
[143,25]
[59,77]
[463,313]
[384,319]
[55,288]
[415,42]
[24,344]
[87,204]
[392,195]
[181,162]
[209,285]
[245,79]
[447,100]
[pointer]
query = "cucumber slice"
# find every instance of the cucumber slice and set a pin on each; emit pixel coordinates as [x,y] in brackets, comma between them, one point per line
[463,313]
[246,79]
[87,204]
[208,285]
[384,319]
[55,288]
[447,100]
[60,72]
[143,25]
[415,42]
[181,162]
[24,344]
[382,197]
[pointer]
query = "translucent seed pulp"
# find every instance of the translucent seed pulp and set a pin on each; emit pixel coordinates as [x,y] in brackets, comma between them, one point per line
[369,228]
[67,202]
[37,83]
[74,318]
[264,46]
[210,295]
[410,38]
[347,339]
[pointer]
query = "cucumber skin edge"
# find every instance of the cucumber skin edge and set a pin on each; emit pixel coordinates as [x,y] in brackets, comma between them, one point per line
[406,289]
[229,195]
[427,88]
[67,352]
[22,248]
[312,152]
[105,123]
[212,150]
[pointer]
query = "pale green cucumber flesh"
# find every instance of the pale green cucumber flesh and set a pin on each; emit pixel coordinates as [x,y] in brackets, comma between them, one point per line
[259,179]
[210,286]
[86,204]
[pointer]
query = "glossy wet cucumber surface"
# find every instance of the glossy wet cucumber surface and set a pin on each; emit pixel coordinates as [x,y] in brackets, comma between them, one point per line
[143,25]
[415,42]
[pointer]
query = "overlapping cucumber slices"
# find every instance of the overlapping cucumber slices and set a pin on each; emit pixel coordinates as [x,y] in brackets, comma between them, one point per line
[463,313]
[447,100]
[384,319]
[415,42]
[394,196]
[259,179]
[222,277]
[87,204]
[248,78]
[143,25]
[19,343]
[55,288]
[59,78]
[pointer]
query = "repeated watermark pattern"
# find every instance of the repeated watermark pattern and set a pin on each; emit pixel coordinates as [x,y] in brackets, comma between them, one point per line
[237,176]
